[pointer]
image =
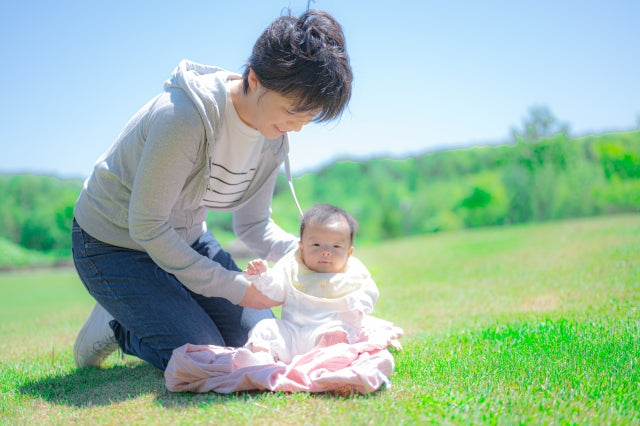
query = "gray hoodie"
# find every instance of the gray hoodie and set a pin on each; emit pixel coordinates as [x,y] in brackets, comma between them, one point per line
[146,191]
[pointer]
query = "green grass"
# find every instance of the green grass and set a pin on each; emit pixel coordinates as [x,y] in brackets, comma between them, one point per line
[529,324]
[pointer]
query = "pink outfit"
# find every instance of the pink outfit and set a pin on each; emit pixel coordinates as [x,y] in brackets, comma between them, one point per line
[343,368]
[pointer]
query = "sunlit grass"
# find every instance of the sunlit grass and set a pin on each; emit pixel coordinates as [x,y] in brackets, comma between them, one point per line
[529,324]
[539,371]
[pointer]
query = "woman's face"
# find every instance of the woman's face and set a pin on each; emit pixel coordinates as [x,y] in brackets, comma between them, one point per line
[272,114]
[275,115]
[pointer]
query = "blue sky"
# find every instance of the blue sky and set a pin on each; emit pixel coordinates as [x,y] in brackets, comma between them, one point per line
[428,74]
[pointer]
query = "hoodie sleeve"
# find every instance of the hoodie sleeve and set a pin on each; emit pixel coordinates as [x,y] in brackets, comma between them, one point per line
[169,155]
[252,223]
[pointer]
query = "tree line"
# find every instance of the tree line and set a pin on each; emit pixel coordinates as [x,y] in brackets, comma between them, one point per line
[552,177]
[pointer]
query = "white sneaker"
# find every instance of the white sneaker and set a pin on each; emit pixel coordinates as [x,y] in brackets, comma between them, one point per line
[96,340]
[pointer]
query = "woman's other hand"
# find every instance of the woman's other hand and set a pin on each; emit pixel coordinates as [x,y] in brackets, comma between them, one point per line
[256,300]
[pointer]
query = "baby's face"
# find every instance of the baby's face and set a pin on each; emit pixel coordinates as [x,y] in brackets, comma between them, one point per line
[326,247]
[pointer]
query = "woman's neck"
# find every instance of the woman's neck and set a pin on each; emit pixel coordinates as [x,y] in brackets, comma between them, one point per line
[241,102]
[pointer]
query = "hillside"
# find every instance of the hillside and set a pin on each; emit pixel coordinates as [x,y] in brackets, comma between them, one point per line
[553,178]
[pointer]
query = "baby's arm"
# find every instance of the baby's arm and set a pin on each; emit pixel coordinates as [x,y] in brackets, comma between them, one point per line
[262,277]
[256,267]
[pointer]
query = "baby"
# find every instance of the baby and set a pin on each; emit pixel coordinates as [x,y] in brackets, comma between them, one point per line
[324,289]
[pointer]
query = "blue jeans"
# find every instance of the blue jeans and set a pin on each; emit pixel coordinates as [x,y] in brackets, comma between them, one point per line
[153,312]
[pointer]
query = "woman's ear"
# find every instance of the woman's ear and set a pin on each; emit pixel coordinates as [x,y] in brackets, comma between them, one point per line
[254,83]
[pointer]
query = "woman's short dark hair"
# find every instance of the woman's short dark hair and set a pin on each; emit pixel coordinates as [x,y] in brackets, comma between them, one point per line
[306,59]
[322,213]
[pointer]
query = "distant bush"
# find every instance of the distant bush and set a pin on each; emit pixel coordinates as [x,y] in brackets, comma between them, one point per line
[36,211]
[15,256]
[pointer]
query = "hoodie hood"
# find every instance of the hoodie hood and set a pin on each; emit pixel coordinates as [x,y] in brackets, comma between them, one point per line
[205,86]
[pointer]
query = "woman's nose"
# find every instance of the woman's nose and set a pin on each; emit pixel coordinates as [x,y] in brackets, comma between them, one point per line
[296,126]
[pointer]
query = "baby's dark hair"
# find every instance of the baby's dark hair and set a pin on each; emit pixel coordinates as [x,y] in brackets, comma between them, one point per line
[304,58]
[323,212]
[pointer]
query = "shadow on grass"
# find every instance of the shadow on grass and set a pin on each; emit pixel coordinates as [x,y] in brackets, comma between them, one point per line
[90,387]
[93,387]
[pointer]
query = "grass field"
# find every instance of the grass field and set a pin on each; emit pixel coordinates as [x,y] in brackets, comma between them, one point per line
[526,324]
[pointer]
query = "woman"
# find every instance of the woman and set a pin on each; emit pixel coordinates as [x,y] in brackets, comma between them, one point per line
[213,140]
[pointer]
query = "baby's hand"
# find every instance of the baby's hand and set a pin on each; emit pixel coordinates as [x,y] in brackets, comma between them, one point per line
[256,267]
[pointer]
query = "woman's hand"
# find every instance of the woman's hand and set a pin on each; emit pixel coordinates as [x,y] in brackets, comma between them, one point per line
[256,300]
